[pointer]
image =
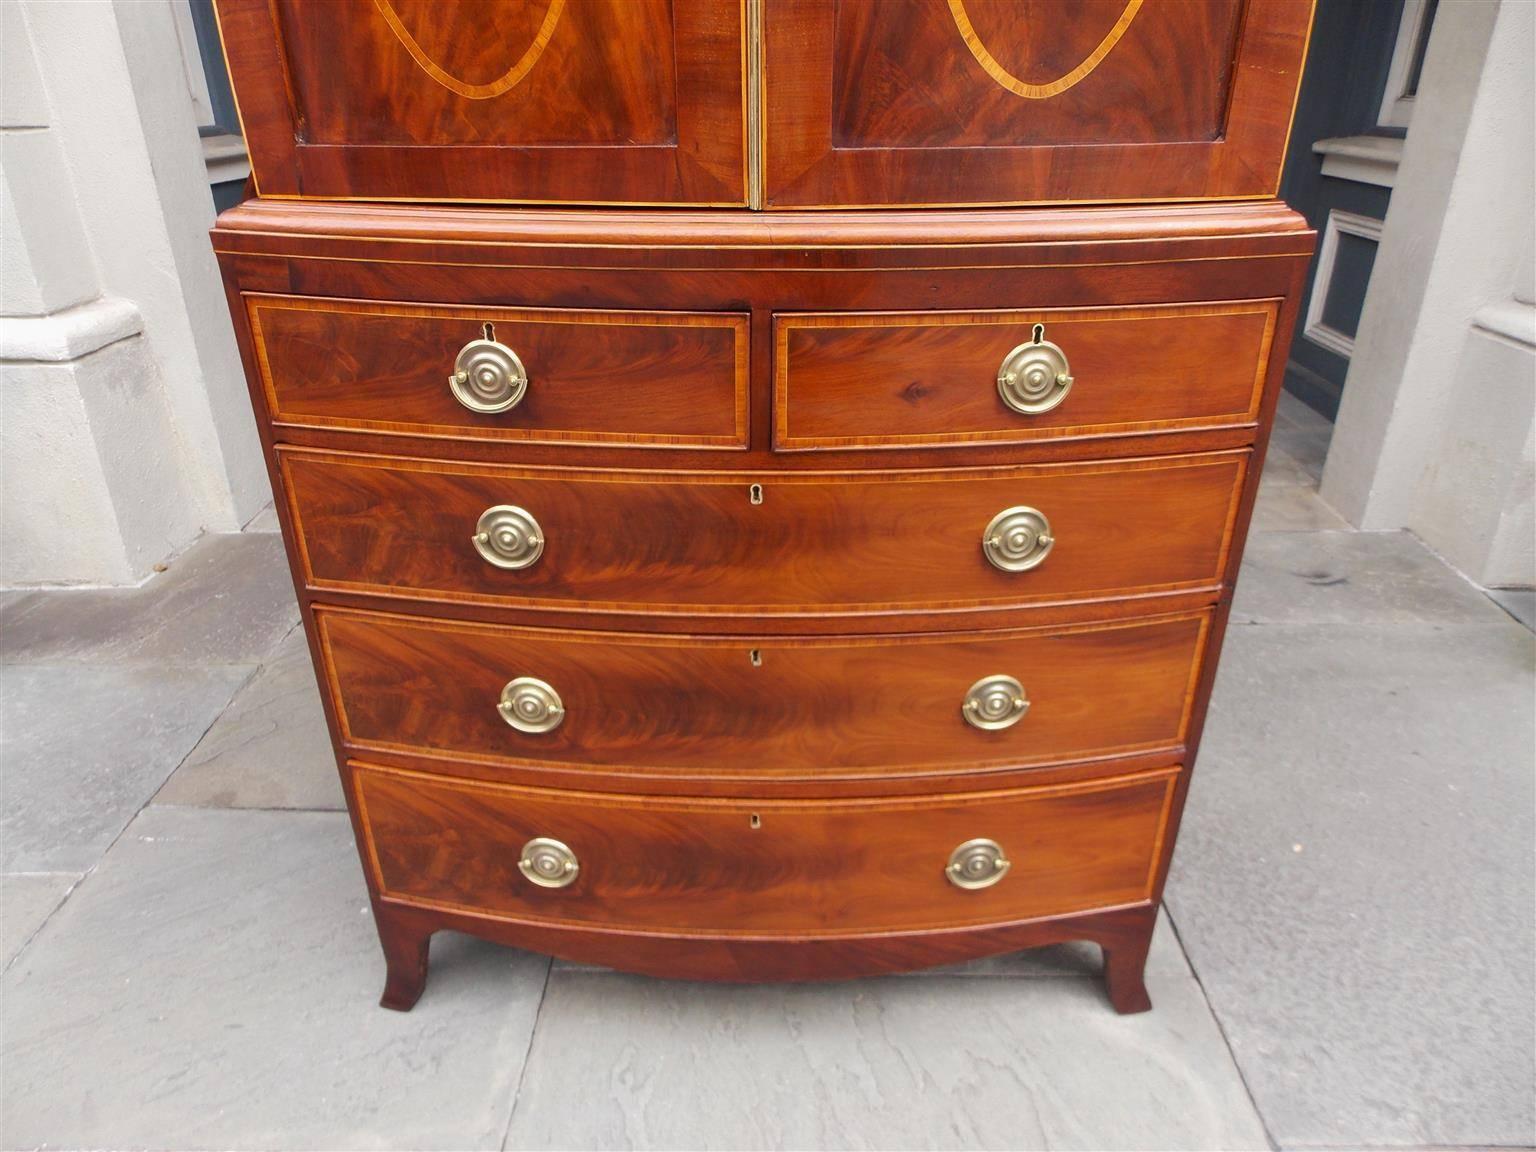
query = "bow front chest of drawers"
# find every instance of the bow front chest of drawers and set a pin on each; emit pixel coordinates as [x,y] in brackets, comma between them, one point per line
[764,479]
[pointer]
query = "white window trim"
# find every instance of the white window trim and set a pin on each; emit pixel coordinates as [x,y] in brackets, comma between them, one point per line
[224,153]
[1396,106]
[225,157]
[1363,159]
[192,63]
[1316,330]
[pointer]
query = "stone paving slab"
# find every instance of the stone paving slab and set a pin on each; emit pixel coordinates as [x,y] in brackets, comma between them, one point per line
[214,984]
[1293,508]
[625,1062]
[270,748]
[1352,578]
[1293,412]
[1282,470]
[26,900]
[1518,602]
[1078,958]
[84,748]
[1308,447]
[263,521]
[227,600]
[1304,434]
[1354,880]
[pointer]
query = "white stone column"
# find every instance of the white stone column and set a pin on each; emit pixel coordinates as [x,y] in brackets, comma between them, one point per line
[124,426]
[1435,429]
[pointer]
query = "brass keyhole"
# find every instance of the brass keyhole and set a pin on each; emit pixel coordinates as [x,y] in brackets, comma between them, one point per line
[488,331]
[755,820]
[755,494]
[756,656]
[1039,334]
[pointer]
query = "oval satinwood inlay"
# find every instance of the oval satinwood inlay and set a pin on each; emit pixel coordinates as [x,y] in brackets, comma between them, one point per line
[1029,91]
[505,83]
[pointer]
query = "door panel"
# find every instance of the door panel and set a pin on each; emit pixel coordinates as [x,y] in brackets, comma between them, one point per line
[1008,101]
[944,101]
[1357,77]
[614,101]
[574,88]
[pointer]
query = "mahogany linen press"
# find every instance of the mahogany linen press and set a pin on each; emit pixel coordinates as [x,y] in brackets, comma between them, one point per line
[764,479]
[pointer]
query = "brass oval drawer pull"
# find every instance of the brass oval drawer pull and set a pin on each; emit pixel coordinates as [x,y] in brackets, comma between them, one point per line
[531,705]
[488,377]
[548,863]
[977,864]
[1017,539]
[995,702]
[1034,377]
[508,536]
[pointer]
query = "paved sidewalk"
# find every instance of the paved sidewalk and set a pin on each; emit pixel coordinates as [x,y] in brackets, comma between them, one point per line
[1347,957]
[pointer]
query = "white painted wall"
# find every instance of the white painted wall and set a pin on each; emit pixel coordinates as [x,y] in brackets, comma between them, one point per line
[1435,428]
[124,424]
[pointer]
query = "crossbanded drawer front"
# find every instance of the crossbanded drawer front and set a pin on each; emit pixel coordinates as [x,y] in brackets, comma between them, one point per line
[739,867]
[763,544]
[752,707]
[551,375]
[886,380]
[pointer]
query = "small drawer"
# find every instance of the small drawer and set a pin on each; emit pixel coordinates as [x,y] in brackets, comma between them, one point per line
[740,867]
[753,544]
[888,380]
[745,707]
[550,375]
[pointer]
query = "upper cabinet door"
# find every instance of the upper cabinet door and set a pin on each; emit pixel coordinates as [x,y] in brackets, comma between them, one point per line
[571,101]
[876,102]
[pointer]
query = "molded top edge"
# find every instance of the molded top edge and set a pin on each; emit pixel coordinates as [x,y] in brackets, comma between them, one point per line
[749,229]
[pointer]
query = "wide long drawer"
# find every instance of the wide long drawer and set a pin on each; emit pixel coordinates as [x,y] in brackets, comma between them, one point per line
[664,379]
[907,379]
[751,707]
[776,543]
[739,867]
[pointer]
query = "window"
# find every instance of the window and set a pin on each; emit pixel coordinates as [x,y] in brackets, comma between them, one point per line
[1344,262]
[202,60]
[1407,63]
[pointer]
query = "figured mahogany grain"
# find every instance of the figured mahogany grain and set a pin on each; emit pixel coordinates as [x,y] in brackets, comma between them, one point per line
[350,70]
[669,379]
[801,868]
[1090,237]
[881,380]
[873,103]
[627,101]
[763,263]
[853,705]
[904,73]
[696,543]
[1119,932]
